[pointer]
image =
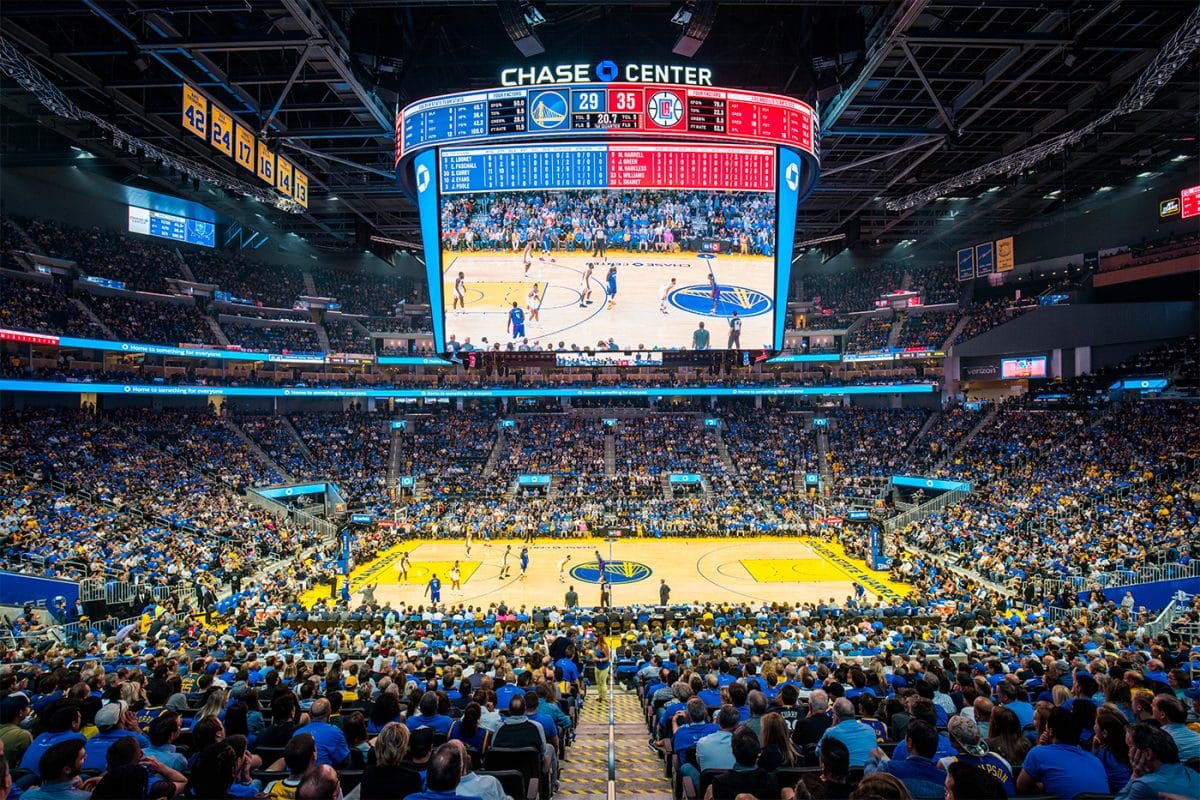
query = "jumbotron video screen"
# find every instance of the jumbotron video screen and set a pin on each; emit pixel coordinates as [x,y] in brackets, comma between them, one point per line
[619,247]
[636,219]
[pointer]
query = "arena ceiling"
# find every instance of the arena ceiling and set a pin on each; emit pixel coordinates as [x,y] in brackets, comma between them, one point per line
[913,92]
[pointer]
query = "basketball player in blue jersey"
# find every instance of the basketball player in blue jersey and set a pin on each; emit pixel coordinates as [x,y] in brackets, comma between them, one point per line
[524,561]
[611,280]
[516,321]
[460,293]
[600,565]
[434,589]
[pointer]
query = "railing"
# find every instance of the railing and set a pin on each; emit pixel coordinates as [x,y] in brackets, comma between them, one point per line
[1123,577]
[932,506]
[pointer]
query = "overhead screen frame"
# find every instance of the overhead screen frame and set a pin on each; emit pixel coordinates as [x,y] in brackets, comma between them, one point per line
[418,174]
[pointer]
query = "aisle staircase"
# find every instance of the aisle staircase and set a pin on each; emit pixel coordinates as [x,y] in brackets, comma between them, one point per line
[257,449]
[610,455]
[639,772]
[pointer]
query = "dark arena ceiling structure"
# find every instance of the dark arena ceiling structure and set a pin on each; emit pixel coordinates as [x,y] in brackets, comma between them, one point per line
[1046,100]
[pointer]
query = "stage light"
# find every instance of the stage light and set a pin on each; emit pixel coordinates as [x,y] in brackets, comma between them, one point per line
[696,18]
[515,16]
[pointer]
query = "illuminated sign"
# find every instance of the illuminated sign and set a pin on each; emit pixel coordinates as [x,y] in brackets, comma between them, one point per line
[683,477]
[606,72]
[399,424]
[1017,368]
[362,519]
[1168,207]
[1189,202]
[533,480]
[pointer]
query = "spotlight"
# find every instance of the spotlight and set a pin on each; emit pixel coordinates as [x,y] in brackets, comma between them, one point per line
[696,18]
[519,19]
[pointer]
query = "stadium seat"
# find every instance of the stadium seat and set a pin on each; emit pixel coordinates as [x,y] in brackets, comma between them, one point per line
[525,760]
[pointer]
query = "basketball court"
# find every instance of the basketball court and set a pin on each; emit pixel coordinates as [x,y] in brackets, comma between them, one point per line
[495,280]
[697,570]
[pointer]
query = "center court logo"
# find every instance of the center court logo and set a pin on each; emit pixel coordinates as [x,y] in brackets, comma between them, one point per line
[614,572]
[697,299]
[548,110]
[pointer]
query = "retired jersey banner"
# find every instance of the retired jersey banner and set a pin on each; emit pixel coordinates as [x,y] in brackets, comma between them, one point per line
[195,112]
[966,264]
[1004,254]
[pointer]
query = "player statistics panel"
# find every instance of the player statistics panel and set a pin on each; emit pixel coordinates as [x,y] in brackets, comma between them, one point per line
[615,108]
[599,166]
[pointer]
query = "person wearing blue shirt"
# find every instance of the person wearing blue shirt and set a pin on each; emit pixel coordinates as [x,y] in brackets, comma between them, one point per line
[693,726]
[434,589]
[62,726]
[444,773]
[918,772]
[973,750]
[427,716]
[1010,697]
[59,768]
[115,722]
[711,695]
[1171,714]
[331,742]
[1061,768]
[534,712]
[858,738]
[715,751]
[516,321]
[1156,768]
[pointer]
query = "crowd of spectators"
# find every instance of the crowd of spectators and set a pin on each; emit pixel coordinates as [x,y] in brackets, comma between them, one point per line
[871,442]
[151,322]
[569,449]
[351,449]
[345,336]
[643,221]
[870,336]
[260,283]
[273,338]
[103,253]
[40,307]
[927,330]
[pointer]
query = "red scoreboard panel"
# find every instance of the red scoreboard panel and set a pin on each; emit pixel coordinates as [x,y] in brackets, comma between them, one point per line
[749,169]
[1189,202]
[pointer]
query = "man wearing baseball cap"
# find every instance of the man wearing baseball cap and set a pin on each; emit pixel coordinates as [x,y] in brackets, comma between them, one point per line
[973,749]
[115,722]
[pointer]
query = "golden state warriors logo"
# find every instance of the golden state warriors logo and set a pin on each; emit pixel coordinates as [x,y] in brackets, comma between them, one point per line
[698,299]
[614,572]
[547,110]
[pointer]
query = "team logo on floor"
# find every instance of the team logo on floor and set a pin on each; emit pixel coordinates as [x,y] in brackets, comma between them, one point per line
[697,299]
[614,572]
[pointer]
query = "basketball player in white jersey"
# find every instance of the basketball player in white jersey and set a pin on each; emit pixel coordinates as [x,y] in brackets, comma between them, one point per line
[460,293]
[562,567]
[527,256]
[664,292]
[533,303]
[585,289]
[468,538]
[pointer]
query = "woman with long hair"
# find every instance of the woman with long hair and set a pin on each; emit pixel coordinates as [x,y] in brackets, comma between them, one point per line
[214,705]
[385,709]
[1005,737]
[390,778]
[1110,746]
[468,730]
[777,750]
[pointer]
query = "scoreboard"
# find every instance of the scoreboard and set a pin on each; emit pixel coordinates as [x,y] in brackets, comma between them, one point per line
[598,166]
[621,109]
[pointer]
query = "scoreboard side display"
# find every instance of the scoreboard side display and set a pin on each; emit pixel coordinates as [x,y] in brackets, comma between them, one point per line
[616,108]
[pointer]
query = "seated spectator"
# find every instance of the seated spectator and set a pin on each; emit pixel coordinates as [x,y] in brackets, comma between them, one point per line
[811,728]
[299,755]
[834,781]
[965,782]
[1061,768]
[63,721]
[157,780]
[1171,714]
[320,783]
[1005,737]
[1109,745]
[445,773]
[777,749]
[469,730]
[518,730]
[973,749]
[164,731]
[858,738]
[918,772]
[715,751]
[331,742]
[745,776]
[115,722]
[14,708]
[472,784]
[59,766]
[427,715]
[1156,768]
[390,777]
